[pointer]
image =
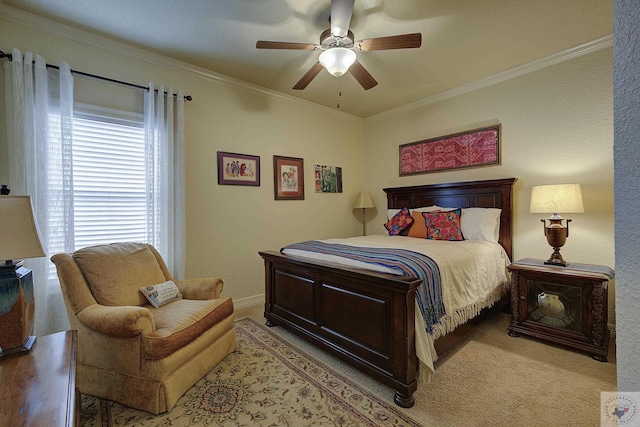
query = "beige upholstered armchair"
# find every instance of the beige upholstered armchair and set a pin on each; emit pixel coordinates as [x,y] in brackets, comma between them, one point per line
[128,350]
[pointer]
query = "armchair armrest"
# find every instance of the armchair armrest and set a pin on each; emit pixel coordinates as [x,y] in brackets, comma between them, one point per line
[207,288]
[123,321]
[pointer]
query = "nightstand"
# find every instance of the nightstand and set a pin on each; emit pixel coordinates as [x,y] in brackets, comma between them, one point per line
[563,305]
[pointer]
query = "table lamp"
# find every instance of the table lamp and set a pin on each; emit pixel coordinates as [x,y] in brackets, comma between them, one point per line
[19,239]
[363,201]
[556,199]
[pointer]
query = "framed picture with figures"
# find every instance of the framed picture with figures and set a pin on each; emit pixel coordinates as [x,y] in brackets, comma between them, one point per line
[238,169]
[288,178]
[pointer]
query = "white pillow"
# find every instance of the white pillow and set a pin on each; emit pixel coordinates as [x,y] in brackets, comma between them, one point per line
[162,293]
[392,212]
[481,224]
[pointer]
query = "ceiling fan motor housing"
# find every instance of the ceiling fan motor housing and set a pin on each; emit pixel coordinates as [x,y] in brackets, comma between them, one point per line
[328,40]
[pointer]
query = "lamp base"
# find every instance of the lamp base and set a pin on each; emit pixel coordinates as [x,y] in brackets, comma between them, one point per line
[556,259]
[17,351]
[16,310]
[364,222]
[556,234]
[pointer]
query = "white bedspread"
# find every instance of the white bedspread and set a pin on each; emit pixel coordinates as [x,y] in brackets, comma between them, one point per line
[473,276]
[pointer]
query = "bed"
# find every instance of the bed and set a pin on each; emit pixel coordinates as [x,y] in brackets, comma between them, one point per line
[368,318]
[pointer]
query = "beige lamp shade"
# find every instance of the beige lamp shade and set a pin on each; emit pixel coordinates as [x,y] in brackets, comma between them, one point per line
[19,235]
[363,201]
[556,199]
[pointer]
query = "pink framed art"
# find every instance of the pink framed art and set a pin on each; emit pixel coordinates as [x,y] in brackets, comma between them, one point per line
[473,148]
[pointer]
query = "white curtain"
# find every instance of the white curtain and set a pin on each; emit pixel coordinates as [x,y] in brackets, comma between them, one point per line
[39,103]
[164,135]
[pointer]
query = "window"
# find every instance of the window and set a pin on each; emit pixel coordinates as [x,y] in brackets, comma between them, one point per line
[108,201]
[109,178]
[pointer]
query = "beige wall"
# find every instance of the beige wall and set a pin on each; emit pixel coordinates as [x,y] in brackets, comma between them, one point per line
[557,127]
[226,225]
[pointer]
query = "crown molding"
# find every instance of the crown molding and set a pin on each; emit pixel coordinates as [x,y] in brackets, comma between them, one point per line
[566,55]
[115,46]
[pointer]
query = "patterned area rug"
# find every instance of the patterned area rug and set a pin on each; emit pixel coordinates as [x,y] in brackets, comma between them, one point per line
[266,382]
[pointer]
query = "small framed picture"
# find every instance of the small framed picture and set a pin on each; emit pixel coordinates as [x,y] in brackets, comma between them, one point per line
[328,179]
[288,178]
[238,169]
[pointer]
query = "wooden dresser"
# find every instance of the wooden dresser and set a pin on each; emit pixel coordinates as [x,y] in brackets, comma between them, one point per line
[38,389]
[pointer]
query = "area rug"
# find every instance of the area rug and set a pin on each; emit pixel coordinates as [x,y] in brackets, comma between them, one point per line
[266,382]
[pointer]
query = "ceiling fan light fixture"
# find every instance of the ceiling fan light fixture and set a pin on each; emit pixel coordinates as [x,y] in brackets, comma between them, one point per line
[337,60]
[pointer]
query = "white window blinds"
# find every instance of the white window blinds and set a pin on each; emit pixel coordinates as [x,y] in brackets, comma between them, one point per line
[109,185]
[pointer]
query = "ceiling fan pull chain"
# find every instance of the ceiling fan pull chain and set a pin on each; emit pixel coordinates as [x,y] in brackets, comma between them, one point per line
[339,79]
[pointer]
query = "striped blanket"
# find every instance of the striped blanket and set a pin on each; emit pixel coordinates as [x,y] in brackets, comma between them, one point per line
[406,262]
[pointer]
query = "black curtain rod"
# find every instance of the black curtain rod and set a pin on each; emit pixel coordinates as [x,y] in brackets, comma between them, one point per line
[10,58]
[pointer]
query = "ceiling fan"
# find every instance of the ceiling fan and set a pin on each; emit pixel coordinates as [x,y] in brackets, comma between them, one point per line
[339,47]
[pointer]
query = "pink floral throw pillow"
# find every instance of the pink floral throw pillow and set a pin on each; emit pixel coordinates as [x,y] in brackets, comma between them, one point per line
[443,225]
[399,222]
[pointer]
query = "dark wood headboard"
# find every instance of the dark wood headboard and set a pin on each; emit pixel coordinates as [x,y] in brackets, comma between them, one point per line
[495,193]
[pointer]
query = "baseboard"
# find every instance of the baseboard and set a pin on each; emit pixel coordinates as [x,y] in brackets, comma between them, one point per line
[248,302]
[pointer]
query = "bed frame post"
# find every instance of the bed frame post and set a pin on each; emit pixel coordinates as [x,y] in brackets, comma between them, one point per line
[407,351]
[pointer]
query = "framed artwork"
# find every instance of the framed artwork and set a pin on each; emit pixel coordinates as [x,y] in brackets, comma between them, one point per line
[238,169]
[328,179]
[288,178]
[473,148]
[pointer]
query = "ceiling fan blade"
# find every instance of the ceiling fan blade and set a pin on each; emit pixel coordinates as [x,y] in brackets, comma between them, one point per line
[403,41]
[341,11]
[363,77]
[263,44]
[308,76]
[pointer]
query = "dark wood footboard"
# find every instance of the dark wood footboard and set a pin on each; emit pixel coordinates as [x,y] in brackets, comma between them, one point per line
[362,317]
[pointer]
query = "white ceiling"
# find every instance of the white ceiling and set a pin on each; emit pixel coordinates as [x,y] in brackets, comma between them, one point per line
[462,40]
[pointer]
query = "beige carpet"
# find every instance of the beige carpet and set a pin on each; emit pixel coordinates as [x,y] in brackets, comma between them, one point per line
[489,379]
[493,379]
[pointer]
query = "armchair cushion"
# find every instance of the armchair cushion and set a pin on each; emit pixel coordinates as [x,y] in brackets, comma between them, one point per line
[181,322]
[116,272]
